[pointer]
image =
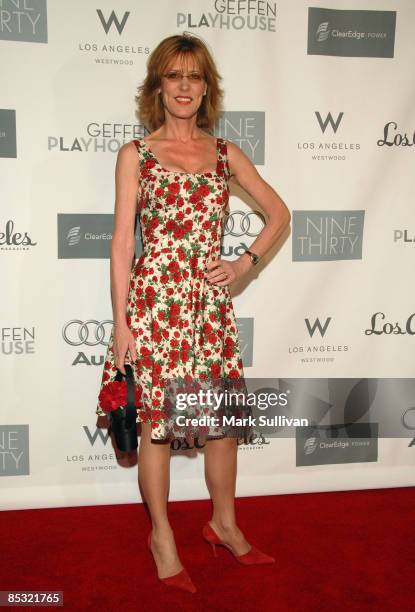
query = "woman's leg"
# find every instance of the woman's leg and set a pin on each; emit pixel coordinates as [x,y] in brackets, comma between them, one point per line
[220,475]
[154,481]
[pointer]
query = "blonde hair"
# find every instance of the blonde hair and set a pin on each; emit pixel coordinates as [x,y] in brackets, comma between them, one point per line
[150,108]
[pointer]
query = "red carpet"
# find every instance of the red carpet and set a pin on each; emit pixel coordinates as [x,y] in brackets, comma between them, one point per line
[351,550]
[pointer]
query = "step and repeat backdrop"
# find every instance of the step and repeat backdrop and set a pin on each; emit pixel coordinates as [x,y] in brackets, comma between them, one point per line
[320,96]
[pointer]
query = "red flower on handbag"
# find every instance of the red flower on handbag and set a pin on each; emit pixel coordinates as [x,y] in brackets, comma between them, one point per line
[113,395]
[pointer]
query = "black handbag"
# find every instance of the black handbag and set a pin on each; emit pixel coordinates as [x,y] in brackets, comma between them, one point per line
[124,425]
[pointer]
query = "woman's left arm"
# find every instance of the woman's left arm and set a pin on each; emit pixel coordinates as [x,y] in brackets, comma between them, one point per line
[244,173]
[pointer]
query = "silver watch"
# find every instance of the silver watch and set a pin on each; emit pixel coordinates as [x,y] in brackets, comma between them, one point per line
[253,256]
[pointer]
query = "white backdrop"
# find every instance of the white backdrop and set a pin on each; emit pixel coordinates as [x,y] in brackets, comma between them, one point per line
[69,77]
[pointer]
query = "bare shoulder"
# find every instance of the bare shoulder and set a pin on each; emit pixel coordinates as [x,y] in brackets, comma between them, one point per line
[127,158]
[128,151]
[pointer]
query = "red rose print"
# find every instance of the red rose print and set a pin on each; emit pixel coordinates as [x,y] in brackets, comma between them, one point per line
[215,370]
[183,327]
[174,188]
[171,225]
[173,266]
[203,190]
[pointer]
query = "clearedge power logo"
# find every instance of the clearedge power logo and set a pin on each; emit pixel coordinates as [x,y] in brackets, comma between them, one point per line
[352,33]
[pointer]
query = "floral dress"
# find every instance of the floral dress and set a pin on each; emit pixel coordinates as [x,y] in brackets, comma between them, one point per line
[184,326]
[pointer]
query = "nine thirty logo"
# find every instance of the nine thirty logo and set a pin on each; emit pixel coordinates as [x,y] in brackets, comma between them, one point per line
[14,450]
[24,21]
[322,235]
[113,19]
[329,119]
[317,325]
[247,130]
[240,223]
[90,333]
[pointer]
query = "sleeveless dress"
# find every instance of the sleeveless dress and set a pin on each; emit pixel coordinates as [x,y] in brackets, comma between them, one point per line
[183,325]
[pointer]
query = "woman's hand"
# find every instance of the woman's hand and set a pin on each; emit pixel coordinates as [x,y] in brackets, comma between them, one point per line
[123,341]
[220,272]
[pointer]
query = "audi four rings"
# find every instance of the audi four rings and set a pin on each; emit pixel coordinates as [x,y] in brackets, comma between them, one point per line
[241,223]
[89,332]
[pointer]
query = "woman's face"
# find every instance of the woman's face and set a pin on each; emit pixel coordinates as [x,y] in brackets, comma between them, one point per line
[182,96]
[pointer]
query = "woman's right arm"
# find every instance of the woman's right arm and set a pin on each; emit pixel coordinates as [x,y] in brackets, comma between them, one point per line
[123,247]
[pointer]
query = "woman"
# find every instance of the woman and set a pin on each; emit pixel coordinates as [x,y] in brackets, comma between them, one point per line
[173,312]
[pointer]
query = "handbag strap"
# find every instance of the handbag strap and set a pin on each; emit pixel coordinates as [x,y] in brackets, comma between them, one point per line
[131,412]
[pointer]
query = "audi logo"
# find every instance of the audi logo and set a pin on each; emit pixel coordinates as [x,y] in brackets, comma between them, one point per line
[240,223]
[408,418]
[89,332]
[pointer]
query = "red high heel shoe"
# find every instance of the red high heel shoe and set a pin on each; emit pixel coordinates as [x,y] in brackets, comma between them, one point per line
[252,557]
[181,580]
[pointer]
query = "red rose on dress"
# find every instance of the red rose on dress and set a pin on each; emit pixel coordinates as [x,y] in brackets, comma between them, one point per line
[233,374]
[174,188]
[179,233]
[215,370]
[173,267]
[147,362]
[207,328]
[171,225]
[174,355]
[194,198]
[150,163]
[188,225]
[228,352]
[203,190]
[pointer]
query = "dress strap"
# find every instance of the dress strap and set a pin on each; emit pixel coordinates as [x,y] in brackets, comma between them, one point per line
[145,158]
[222,167]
